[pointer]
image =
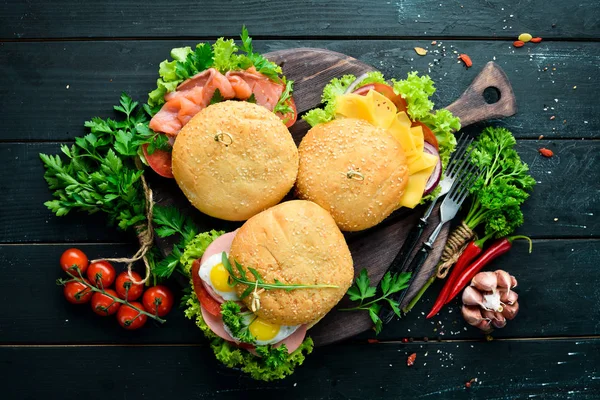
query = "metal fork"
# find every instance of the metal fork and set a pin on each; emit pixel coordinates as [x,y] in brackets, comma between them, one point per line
[457,162]
[464,176]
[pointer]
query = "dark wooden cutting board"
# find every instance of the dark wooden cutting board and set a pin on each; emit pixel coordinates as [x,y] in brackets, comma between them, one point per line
[374,249]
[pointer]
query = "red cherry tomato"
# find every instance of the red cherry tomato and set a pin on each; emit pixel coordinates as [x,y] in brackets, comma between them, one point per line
[131,319]
[385,90]
[206,300]
[73,257]
[290,118]
[160,161]
[126,289]
[104,305]
[428,135]
[158,300]
[101,274]
[77,293]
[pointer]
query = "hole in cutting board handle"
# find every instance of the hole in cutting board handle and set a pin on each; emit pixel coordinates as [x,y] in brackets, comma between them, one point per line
[492,95]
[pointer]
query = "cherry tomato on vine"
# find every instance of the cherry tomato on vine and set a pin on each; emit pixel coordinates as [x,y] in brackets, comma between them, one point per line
[104,305]
[73,257]
[77,292]
[101,274]
[129,318]
[158,300]
[123,281]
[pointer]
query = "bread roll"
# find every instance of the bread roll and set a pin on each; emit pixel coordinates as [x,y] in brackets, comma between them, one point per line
[354,170]
[234,159]
[295,242]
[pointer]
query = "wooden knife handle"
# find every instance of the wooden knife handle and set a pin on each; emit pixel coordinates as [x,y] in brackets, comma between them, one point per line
[471,106]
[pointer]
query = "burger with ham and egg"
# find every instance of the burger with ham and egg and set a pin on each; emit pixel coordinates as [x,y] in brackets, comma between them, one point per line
[197,78]
[257,290]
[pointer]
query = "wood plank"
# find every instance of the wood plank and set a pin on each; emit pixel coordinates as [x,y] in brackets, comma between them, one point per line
[523,369]
[558,297]
[434,18]
[64,84]
[569,178]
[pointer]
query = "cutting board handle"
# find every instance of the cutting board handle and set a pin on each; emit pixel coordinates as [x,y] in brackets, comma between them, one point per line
[472,106]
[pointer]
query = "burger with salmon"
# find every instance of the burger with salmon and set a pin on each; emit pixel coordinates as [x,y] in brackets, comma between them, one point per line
[257,290]
[196,78]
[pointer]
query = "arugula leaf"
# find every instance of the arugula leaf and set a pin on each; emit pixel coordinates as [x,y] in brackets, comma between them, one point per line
[283,105]
[362,290]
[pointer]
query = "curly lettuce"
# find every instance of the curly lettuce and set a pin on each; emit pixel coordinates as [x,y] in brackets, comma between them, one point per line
[272,363]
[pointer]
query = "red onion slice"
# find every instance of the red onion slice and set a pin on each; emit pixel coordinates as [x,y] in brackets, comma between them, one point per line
[434,179]
[356,82]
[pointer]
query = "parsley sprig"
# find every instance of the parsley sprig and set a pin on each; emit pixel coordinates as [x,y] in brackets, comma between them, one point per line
[99,172]
[361,291]
[237,321]
[169,221]
[242,278]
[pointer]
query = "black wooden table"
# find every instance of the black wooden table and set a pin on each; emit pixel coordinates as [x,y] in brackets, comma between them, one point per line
[62,62]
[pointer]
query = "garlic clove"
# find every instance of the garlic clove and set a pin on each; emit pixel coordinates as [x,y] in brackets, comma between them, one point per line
[510,311]
[472,297]
[485,326]
[486,281]
[504,280]
[513,282]
[499,321]
[508,297]
[472,314]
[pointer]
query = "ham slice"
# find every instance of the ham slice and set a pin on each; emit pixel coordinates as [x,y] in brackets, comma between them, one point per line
[216,325]
[294,341]
[219,245]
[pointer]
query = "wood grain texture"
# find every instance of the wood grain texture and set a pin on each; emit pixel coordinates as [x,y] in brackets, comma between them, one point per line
[558,369]
[558,294]
[47,90]
[471,107]
[426,18]
[569,178]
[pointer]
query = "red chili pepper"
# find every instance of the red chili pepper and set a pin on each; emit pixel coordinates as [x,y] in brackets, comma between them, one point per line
[472,250]
[410,361]
[497,248]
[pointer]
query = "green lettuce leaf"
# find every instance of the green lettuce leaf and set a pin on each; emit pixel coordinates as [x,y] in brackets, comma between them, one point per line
[196,248]
[271,365]
[372,77]
[331,91]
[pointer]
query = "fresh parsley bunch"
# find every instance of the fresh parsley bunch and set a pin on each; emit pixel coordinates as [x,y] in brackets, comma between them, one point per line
[361,291]
[503,186]
[100,172]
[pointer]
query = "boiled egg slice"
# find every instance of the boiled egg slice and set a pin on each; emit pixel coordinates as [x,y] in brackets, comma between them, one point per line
[213,273]
[265,332]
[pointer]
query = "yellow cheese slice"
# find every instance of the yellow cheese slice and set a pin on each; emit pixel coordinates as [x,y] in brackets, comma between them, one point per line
[353,106]
[374,108]
[415,187]
[417,134]
[425,161]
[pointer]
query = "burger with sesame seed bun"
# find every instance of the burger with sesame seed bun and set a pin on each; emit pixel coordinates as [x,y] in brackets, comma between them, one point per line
[257,290]
[235,159]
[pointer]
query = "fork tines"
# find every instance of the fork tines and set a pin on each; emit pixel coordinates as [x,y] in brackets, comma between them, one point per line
[465,178]
[461,153]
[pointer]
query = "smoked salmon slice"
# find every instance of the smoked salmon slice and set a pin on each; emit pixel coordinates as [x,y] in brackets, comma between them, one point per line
[195,94]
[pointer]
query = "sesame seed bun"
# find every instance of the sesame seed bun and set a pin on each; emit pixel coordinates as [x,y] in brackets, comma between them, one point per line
[295,242]
[234,159]
[352,169]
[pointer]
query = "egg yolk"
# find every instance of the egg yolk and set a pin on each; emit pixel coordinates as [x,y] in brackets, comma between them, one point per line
[263,330]
[219,278]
